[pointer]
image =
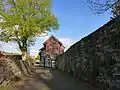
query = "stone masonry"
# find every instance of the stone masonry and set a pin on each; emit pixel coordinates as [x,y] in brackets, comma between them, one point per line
[11,69]
[96,57]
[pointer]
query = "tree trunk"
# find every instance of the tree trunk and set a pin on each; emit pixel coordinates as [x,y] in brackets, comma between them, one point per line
[24,49]
[24,55]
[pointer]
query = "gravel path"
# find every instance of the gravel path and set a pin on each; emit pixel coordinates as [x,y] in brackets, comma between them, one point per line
[47,79]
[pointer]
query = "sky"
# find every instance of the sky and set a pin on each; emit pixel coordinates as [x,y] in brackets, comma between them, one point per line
[76,21]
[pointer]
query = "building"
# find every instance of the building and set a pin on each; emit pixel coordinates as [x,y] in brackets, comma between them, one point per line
[50,50]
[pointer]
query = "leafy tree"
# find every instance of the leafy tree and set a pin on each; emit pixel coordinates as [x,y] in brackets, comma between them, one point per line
[100,6]
[24,20]
[37,57]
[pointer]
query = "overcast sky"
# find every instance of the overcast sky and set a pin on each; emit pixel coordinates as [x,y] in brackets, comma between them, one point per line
[76,21]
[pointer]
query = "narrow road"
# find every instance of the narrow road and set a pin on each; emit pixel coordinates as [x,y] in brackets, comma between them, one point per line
[47,79]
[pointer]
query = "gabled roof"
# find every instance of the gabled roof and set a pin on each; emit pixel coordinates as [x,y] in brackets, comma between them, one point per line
[54,39]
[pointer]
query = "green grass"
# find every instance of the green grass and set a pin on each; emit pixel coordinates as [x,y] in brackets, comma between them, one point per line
[5,87]
[13,81]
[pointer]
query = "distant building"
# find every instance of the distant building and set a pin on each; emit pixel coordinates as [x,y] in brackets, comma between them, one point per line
[50,50]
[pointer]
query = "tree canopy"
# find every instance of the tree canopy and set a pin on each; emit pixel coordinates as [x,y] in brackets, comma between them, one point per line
[23,20]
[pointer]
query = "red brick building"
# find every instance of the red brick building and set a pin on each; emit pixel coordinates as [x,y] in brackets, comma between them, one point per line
[51,48]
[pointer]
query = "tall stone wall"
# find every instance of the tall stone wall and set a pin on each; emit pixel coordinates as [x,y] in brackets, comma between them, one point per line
[94,58]
[12,69]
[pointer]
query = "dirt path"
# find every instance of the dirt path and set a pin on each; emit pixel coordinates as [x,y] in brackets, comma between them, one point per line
[46,79]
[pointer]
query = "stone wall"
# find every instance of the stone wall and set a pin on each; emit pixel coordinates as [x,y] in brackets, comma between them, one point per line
[12,69]
[17,57]
[95,57]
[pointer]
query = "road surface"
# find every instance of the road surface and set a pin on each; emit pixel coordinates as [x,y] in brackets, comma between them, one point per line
[47,79]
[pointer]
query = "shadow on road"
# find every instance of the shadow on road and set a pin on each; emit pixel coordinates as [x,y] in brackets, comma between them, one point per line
[50,79]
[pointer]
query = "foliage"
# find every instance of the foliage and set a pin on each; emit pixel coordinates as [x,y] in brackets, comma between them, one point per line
[30,59]
[24,20]
[38,57]
[4,87]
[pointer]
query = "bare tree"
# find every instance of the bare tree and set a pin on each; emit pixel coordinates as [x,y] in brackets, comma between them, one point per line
[100,6]
[116,9]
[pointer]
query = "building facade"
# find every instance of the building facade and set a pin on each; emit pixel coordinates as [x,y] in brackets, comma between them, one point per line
[50,50]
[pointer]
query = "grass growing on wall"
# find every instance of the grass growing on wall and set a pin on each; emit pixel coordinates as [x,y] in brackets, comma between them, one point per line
[5,87]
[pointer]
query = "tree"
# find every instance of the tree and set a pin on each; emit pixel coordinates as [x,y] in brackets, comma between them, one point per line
[100,6]
[37,57]
[116,9]
[24,20]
